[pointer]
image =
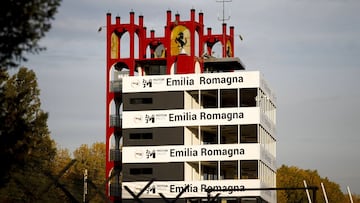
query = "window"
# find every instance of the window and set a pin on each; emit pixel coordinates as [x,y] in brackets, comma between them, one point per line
[209,134]
[209,98]
[228,98]
[248,133]
[209,170]
[155,70]
[141,171]
[229,170]
[141,100]
[248,97]
[141,136]
[209,138]
[229,134]
[249,169]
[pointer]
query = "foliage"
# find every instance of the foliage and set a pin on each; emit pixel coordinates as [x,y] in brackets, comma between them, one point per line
[59,171]
[23,24]
[25,143]
[24,135]
[93,160]
[355,197]
[62,180]
[294,177]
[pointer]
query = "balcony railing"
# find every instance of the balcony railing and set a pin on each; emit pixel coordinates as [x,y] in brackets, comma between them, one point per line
[116,120]
[115,155]
[116,83]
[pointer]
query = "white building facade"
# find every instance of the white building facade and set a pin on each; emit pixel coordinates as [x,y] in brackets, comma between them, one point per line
[194,132]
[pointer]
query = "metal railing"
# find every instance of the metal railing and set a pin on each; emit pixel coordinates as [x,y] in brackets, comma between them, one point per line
[115,155]
[116,85]
[116,120]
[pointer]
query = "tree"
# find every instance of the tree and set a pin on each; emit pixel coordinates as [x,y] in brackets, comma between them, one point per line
[87,158]
[61,173]
[25,141]
[92,159]
[294,177]
[23,24]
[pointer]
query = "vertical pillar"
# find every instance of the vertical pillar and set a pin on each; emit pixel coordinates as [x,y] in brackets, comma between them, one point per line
[168,17]
[192,32]
[109,97]
[232,40]
[201,34]
[209,49]
[152,35]
[132,43]
[223,40]
[142,36]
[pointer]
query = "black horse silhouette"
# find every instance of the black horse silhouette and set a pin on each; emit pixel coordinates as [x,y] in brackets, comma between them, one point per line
[180,40]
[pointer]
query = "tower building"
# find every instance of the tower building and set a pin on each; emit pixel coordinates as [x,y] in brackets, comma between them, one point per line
[181,123]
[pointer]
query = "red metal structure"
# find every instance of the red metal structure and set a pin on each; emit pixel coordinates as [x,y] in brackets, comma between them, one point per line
[185,48]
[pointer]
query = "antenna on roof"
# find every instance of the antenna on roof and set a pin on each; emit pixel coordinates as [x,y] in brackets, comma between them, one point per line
[223,19]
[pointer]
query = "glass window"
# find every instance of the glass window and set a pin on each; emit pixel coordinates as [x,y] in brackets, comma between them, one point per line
[138,136]
[229,169]
[209,98]
[249,169]
[139,171]
[229,134]
[209,134]
[141,100]
[209,170]
[155,70]
[248,97]
[228,98]
[248,133]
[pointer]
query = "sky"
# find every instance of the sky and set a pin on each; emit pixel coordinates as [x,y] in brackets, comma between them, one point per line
[307,50]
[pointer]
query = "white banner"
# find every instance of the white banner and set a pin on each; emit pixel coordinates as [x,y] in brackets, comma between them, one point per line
[198,189]
[171,189]
[181,153]
[181,82]
[191,117]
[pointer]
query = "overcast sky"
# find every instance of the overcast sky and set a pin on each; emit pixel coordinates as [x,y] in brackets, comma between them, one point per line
[308,51]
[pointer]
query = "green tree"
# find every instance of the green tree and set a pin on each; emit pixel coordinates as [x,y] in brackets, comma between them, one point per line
[93,159]
[87,158]
[25,144]
[293,177]
[23,24]
[61,171]
[24,135]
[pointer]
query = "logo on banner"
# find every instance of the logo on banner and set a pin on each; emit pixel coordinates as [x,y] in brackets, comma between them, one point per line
[151,190]
[135,83]
[147,83]
[139,154]
[150,154]
[138,119]
[150,118]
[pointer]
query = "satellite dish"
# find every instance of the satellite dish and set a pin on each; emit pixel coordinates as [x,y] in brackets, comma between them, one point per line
[160,51]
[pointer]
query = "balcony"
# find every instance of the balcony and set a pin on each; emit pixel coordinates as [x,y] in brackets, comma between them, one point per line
[116,120]
[115,155]
[116,83]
